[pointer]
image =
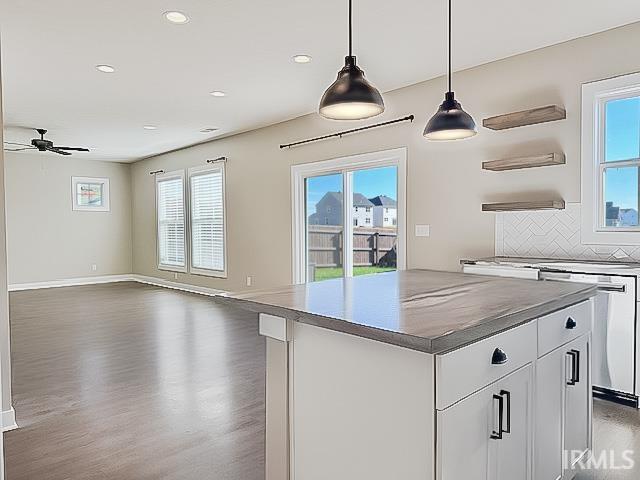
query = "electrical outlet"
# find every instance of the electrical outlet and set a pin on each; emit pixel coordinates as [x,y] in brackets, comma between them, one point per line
[175,276]
[249,281]
[94,267]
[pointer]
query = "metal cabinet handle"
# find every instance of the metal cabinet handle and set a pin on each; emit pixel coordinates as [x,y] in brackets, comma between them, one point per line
[497,435]
[507,394]
[575,367]
[609,287]
[571,324]
[499,357]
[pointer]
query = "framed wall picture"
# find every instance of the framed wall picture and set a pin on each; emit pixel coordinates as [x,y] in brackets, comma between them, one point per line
[90,194]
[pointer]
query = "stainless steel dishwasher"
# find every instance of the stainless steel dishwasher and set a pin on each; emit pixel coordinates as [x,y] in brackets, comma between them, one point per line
[614,330]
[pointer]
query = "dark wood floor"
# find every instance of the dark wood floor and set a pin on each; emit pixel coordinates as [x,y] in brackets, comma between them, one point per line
[132,382]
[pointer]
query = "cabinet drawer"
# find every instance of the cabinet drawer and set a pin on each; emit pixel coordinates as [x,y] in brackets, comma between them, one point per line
[562,326]
[461,372]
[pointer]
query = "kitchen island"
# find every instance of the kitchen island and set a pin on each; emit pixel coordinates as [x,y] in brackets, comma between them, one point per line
[425,375]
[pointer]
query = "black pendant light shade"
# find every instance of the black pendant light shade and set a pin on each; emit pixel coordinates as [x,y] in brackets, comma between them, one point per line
[351,96]
[450,122]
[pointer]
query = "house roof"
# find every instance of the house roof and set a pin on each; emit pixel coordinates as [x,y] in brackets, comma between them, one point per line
[383,200]
[359,200]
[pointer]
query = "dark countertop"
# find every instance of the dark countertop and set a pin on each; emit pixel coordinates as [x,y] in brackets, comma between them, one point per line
[423,310]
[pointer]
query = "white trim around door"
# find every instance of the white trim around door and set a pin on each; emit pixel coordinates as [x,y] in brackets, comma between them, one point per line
[346,166]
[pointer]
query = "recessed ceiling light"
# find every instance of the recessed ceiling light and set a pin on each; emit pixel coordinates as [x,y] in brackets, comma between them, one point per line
[105,68]
[208,130]
[150,127]
[217,93]
[302,58]
[176,17]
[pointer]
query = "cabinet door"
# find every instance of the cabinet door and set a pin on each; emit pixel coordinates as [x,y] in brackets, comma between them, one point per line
[470,430]
[578,399]
[550,381]
[515,449]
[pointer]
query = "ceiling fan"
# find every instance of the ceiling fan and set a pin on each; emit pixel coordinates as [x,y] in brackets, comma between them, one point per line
[42,145]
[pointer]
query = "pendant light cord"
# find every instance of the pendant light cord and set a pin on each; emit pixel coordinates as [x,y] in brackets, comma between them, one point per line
[449,45]
[350,28]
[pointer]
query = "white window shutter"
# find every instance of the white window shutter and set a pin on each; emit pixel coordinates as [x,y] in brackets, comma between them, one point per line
[171,222]
[207,220]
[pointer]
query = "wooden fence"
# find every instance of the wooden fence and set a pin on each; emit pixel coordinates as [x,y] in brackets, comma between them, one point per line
[371,246]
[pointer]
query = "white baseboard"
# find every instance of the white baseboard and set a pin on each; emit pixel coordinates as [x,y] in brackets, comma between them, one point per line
[9,420]
[185,287]
[160,282]
[70,282]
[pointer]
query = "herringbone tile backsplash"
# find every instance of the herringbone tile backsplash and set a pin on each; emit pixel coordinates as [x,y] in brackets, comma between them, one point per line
[552,234]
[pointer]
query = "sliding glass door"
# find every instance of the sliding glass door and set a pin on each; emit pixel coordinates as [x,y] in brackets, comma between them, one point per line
[343,239]
[325,227]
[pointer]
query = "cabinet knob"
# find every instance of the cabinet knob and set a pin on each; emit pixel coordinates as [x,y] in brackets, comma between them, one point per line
[498,357]
[571,323]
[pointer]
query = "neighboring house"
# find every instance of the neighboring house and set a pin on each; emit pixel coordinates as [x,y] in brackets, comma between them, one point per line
[362,211]
[329,210]
[628,217]
[385,211]
[620,217]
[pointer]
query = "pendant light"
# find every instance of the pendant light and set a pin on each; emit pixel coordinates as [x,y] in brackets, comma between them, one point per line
[351,96]
[450,122]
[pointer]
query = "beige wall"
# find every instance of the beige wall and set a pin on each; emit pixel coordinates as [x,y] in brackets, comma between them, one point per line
[446,184]
[46,239]
[5,351]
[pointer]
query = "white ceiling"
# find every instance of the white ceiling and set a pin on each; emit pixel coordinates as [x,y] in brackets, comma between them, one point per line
[165,71]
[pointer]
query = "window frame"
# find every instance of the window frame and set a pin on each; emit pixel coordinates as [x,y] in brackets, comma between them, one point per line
[346,166]
[595,95]
[203,170]
[158,179]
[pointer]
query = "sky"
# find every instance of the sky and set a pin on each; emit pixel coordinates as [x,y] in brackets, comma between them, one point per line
[370,182]
[622,142]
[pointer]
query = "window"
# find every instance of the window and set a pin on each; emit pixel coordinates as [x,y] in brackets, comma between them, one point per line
[355,222]
[367,220]
[207,220]
[90,194]
[610,161]
[170,210]
[386,219]
[368,209]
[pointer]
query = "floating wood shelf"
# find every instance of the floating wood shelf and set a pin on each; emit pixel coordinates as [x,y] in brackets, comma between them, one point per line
[516,206]
[550,113]
[524,162]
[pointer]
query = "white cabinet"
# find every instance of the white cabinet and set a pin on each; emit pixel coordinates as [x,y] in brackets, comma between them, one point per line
[550,383]
[490,430]
[563,409]
[578,402]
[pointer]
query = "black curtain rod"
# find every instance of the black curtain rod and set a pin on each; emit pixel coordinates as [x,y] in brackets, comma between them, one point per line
[156,172]
[408,118]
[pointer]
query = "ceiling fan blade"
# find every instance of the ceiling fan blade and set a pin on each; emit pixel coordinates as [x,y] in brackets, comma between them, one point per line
[21,144]
[18,149]
[56,150]
[75,149]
